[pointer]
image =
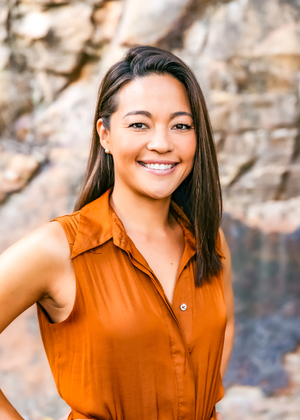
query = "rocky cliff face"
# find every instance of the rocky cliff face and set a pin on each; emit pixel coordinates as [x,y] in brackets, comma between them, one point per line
[245,53]
[53,53]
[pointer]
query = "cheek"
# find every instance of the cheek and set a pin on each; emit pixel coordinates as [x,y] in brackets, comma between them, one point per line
[188,149]
[127,150]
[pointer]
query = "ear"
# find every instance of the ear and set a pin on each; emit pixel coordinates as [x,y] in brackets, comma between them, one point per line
[104,134]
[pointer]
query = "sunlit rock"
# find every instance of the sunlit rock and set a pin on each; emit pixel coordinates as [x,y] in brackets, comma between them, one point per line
[268,111]
[4,12]
[17,173]
[282,41]
[106,21]
[4,56]
[292,185]
[71,25]
[195,37]
[23,126]
[15,96]
[35,25]
[50,84]
[240,402]
[59,34]
[138,22]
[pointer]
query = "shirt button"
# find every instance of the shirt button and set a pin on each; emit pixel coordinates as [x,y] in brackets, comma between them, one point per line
[183,307]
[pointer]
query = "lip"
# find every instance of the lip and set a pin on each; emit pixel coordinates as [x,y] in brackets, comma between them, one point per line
[160,172]
[160,162]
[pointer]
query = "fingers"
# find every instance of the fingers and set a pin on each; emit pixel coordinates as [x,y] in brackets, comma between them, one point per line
[219,416]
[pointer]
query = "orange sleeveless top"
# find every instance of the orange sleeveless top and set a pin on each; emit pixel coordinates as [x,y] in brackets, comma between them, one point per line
[124,352]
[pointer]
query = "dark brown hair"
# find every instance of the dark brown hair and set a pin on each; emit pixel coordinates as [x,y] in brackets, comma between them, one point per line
[199,195]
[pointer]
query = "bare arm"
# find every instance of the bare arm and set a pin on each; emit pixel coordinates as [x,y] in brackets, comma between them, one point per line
[29,271]
[229,333]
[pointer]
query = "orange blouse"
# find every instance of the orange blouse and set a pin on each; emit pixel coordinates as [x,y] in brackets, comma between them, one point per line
[125,352]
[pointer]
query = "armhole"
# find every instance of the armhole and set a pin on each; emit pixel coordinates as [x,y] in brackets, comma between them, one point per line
[42,313]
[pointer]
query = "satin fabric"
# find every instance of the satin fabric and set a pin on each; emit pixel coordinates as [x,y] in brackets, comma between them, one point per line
[125,352]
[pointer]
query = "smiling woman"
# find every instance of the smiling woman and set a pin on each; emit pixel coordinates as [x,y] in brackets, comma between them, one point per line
[133,288]
[153,148]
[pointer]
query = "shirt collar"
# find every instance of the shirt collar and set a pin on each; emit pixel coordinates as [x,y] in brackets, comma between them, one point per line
[98,223]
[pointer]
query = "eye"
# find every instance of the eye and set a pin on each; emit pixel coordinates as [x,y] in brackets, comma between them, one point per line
[139,126]
[182,127]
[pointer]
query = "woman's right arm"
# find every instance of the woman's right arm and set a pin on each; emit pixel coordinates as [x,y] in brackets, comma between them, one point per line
[30,270]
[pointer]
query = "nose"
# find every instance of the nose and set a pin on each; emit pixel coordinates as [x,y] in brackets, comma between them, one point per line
[160,141]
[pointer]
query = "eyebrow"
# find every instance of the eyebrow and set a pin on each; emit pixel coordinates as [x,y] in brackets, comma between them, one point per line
[149,115]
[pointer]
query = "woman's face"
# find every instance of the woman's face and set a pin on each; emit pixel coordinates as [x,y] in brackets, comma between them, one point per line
[151,136]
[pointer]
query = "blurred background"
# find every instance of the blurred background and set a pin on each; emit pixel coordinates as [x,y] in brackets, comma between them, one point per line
[246,56]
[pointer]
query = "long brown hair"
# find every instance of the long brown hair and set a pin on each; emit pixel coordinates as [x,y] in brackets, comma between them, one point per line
[199,195]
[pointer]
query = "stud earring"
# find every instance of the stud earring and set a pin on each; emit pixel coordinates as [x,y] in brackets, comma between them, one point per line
[106,151]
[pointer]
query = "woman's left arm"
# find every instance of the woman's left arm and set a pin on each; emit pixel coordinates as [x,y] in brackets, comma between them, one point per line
[229,332]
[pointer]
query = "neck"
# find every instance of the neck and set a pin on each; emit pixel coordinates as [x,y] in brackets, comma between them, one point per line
[141,213]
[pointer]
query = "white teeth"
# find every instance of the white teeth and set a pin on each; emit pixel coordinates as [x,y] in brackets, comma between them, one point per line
[158,166]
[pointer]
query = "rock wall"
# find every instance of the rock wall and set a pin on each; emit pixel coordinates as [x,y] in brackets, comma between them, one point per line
[53,53]
[245,53]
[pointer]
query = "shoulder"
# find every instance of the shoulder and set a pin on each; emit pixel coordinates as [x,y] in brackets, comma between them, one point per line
[30,268]
[41,252]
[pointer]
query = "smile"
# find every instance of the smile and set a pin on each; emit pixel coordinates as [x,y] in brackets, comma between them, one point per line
[157,168]
[161,166]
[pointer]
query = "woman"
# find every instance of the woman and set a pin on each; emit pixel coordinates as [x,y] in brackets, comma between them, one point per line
[133,288]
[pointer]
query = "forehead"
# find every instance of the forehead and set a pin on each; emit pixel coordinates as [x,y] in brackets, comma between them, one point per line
[153,91]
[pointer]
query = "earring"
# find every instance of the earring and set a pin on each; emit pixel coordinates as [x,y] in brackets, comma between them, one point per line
[106,151]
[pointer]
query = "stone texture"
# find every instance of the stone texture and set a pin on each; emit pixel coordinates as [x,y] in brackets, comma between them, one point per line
[4,56]
[106,21]
[269,216]
[246,55]
[138,27]
[15,96]
[250,403]
[48,2]
[50,84]
[23,126]
[4,11]
[267,111]
[72,37]
[265,272]
[57,45]
[282,41]
[52,192]
[195,37]
[240,402]
[35,25]
[236,27]
[58,124]
[291,364]
[17,173]
[292,187]
[247,403]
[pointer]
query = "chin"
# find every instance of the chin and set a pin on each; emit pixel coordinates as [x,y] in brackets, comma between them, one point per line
[158,194]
